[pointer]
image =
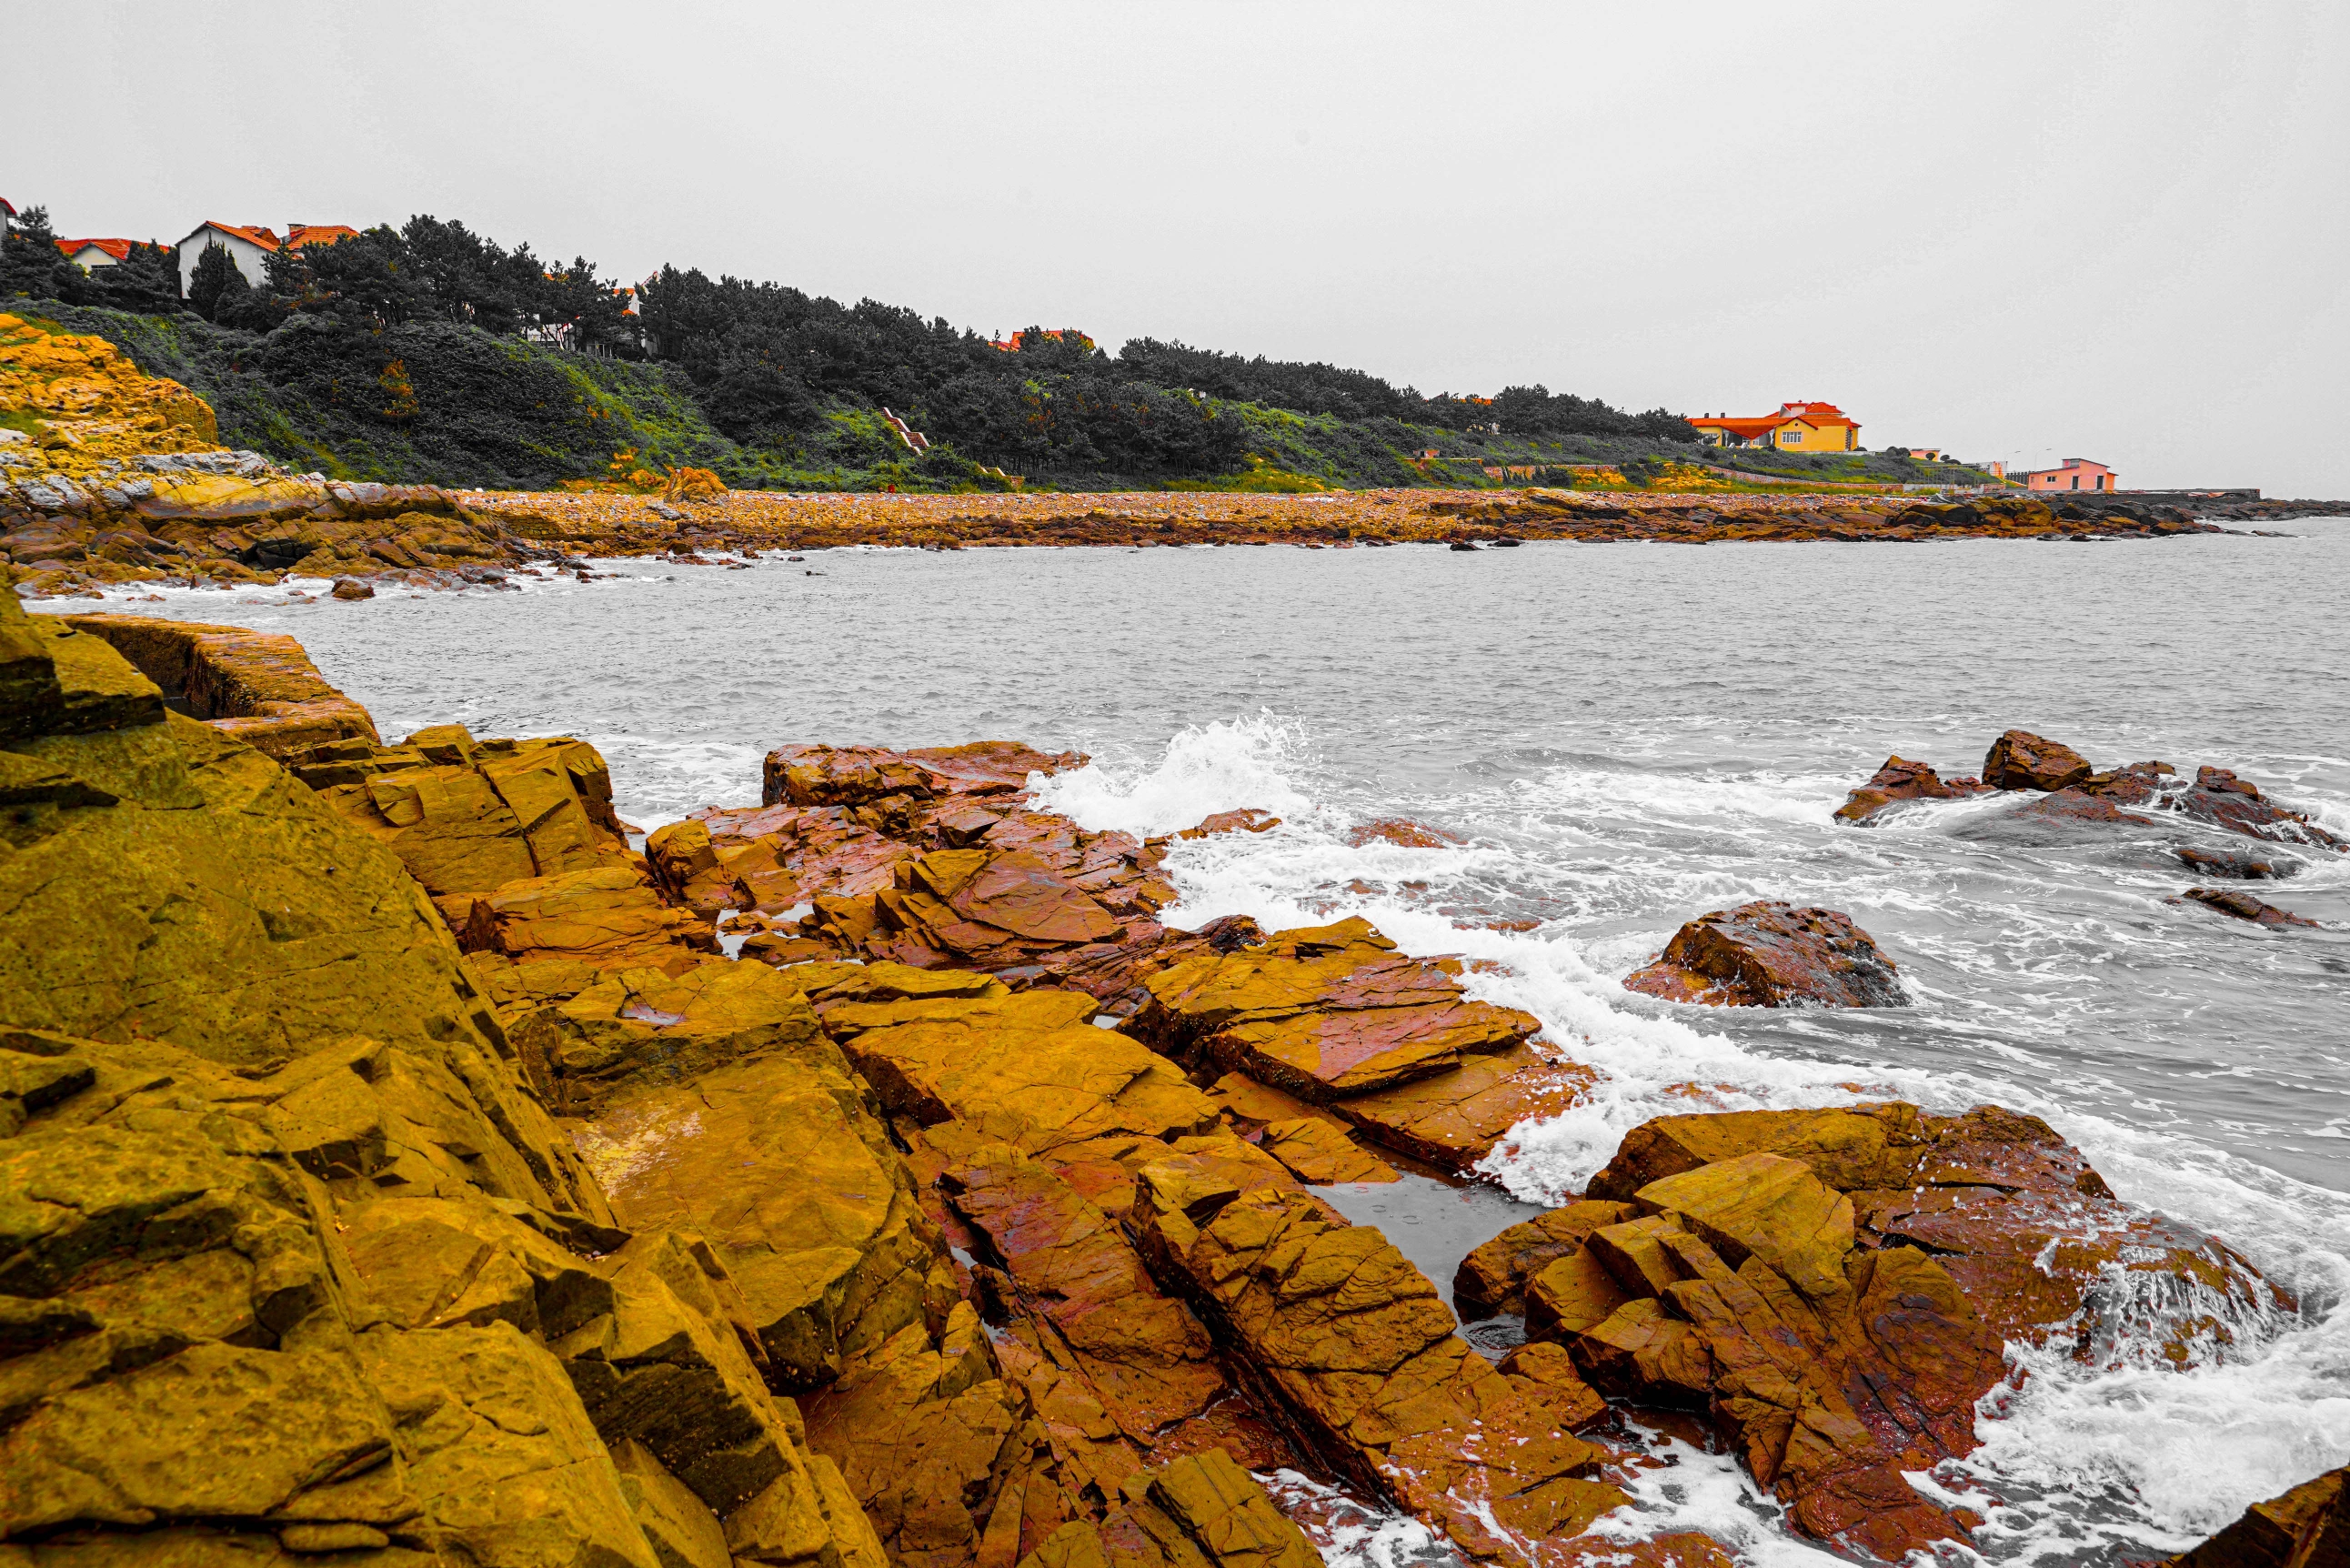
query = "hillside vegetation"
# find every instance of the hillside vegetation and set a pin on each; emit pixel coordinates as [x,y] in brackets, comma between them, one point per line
[427,353]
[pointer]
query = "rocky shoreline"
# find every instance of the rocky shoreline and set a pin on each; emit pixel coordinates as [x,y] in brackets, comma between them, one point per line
[400,1166]
[126,485]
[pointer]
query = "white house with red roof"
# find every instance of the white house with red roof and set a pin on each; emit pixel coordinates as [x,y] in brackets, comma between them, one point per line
[89,253]
[1796,427]
[250,246]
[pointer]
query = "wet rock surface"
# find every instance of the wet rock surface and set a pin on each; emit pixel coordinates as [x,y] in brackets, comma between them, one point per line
[1898,780]
[1772,954]
[2307,1527]
[391,1167]
[2022,759]
[2244,907]
[2072,793]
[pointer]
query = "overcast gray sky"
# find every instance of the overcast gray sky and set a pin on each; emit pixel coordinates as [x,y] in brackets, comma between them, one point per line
[2029,231]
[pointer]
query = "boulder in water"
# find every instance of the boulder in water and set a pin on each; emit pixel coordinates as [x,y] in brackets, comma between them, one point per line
[2236,864]
[1898,780]
[1772,954]
[1248,819]
[2022,759]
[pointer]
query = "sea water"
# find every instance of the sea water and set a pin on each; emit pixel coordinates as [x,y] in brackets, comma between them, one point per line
[1617,738]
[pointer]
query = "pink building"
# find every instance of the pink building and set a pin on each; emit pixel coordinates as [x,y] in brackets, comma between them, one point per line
[2077,473]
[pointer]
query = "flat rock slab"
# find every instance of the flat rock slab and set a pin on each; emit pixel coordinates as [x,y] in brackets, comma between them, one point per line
[1324,1012]
[1027,1068]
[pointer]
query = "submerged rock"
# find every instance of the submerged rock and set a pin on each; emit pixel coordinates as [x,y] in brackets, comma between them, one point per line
[2231,863]
[1898,780]
[2244,907]
[1248,819]
[1770,954]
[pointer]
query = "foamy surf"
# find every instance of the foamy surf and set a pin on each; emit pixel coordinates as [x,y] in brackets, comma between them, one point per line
[2081,1459]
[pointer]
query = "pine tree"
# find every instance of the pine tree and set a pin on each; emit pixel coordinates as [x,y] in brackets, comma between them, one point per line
[30,262]
[145,283]
[216,274]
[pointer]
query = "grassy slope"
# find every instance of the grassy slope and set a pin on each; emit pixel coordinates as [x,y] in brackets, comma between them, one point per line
[498,412]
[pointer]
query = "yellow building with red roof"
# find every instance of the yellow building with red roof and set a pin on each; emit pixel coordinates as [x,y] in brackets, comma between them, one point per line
[1796,427]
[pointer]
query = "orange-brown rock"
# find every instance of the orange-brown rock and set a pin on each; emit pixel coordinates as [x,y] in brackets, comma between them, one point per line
[1318,1152]
[1357,1350]
[1026,1068]
[259,686]
[544,937]
[289,1242]
[1455,1119]
[1034,918]
[2014,1214]
[468,817]
[1739,1291]
[1324,1012]
[1249,819]
[1493,1279]
[1203,1509]
[2022,759]
[780,1163]
[943,1453]
[1898,780]
[2135,795]
[2218,798]
[2308,1527]
[2244,907]
[1080,1298]
[1772,954]
[1400,831]
[853,776]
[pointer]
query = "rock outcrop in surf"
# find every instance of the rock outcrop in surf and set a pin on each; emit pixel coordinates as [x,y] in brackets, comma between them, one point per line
[2067,789]
[1770,953]
[394,1167]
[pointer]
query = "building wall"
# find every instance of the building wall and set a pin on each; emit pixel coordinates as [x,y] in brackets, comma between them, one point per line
[90,257]
[2089,477]
[1800,436]
[250,259]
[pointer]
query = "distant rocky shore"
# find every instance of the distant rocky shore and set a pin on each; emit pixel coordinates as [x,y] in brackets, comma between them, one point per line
[399,1167]
[125,484]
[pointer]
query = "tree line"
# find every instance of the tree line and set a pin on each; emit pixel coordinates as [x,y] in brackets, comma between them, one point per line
[766,362]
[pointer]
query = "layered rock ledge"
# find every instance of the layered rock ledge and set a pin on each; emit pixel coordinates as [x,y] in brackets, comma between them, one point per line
[394,1168]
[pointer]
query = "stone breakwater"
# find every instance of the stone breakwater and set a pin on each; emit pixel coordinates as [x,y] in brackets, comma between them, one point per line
[396,1165]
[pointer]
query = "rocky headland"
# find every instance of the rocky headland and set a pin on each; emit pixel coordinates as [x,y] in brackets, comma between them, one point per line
[110,477]
[399,1166]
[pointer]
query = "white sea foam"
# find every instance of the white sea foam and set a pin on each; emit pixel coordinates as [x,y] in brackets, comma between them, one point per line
[1226,765]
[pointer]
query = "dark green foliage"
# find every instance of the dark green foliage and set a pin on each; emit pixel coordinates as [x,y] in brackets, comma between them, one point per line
[1316,388]
[30,262]
[216,274]
[146,282]
[1534,410]
[430,352]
